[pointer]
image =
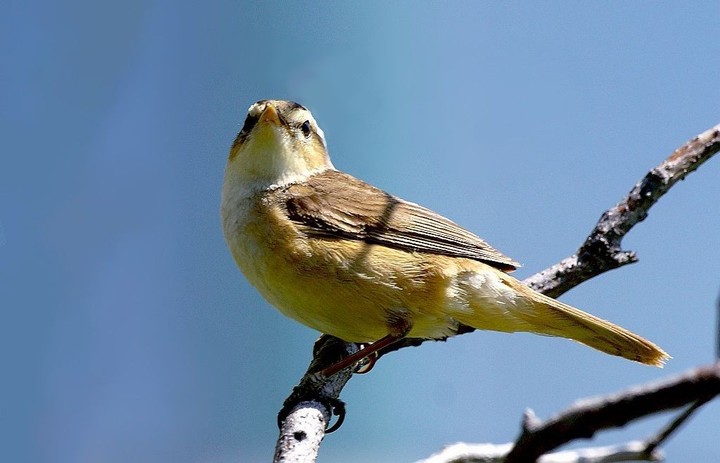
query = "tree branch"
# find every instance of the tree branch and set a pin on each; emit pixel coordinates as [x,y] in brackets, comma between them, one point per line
[589,416]
[665,433]
[306,413]
[600,252]
[490,453]
[586,417]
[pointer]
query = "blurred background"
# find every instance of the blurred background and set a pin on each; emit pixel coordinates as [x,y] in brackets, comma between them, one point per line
[128,334]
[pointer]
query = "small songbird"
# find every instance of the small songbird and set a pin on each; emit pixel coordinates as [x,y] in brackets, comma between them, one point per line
[350,260]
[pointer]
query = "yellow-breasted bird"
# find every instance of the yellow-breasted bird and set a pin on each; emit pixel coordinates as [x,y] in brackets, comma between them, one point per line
[350,260]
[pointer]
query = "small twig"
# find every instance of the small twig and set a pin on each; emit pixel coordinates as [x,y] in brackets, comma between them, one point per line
[589,416]
[674,425]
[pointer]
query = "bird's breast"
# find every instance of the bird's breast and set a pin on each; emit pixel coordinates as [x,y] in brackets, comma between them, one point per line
[347,288]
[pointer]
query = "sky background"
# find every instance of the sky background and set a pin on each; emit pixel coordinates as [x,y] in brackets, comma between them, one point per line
[128,334]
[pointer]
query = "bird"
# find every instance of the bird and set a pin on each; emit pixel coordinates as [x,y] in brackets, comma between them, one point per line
[353,261]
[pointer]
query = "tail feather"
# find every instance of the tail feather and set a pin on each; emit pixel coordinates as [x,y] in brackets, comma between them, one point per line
[558,319]
[537,313]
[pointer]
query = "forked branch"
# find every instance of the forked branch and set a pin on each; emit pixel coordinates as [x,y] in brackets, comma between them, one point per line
[589,416]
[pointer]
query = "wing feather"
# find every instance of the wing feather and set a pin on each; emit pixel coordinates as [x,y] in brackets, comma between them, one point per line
[333,204]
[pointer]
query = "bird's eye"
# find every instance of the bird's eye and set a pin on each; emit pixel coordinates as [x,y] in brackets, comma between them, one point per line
[305,127]
[250,122]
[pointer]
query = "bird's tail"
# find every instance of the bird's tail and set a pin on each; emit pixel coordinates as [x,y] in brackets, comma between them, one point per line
[537,313]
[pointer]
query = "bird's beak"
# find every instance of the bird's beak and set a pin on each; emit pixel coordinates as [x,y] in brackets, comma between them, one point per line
[270,115]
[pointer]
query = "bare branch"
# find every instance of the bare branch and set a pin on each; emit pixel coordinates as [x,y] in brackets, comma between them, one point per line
[589,416]
[631,451]
[301,433]
[308,410]
[665,433]
[489,453]
[470,453]
[600,252]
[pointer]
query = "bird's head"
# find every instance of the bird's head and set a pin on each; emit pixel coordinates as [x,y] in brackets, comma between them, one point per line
[280,143]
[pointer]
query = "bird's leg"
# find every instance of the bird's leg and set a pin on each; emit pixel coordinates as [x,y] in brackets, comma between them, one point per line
[363,353]
[398,326]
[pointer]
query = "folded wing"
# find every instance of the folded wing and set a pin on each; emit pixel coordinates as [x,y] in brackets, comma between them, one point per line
[335,205]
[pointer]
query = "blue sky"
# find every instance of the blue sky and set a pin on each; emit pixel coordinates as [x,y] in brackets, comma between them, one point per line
[129,335]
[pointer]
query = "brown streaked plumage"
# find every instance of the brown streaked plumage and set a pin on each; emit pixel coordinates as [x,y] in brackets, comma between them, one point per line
[334,204]
[351,260]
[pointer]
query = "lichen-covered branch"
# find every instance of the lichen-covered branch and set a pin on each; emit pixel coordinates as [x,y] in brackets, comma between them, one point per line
[308,410]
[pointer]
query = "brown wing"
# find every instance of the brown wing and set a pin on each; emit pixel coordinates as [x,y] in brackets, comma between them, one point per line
[333,204]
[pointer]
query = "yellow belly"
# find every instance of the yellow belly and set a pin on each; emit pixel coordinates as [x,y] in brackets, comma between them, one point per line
[346,288]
